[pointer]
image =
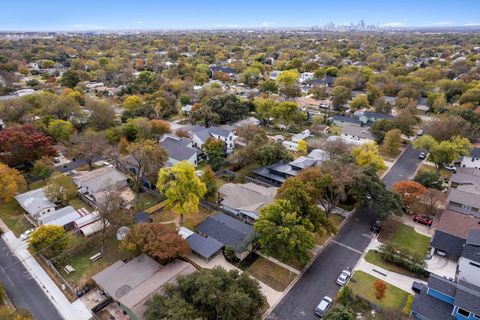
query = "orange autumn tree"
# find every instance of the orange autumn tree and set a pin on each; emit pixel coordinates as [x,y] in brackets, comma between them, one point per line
[11,183]
[409,190]
[380,288]
[156,240]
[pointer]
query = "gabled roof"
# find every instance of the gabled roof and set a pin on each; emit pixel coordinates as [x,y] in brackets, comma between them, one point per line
[247,197]
[60,217]
[475,153]
[227,230]
[178,148]
[376,115]
[463,197]
[100,179]
[205,133]
[431,307]
[34,201]
[456,224]
[468,297]
[205,247]
[357,132]
[442,285]
[347,120]
[451,244]
[222,69]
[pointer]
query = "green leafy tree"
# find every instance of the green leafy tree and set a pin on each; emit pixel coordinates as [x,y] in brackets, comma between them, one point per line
[287,113]
[444,152]
[50,240]
[339,312]
[340,95]
[428,179]
[132,103]
[214,150]
[302,147]
[392,141]
[210,182]
[60,130]
[43,168]
[60,188]
[283,231]
[182,188]
[268,87]
[360,102]
[380,127]
[287,78]
[70,78]
[209,294]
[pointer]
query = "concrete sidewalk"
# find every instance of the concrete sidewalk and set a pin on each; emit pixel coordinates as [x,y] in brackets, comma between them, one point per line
[398,280]
[69,311]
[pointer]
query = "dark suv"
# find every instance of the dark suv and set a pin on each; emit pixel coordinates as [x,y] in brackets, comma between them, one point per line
[376,227]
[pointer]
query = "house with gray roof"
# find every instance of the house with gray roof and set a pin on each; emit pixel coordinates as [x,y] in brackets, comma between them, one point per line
[469,262]
[35,203]
[345,121]
[204,247]
[356,135]
[246,200]
[472,160]
[230,232]
[131,284]
[369,117]
[64,217]
[201,134]
[443,299]
[180,149]
[464,194]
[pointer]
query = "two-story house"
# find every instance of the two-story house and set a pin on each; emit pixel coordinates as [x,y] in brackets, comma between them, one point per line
[472,160]
[180,149]
[201,134]
[464,194]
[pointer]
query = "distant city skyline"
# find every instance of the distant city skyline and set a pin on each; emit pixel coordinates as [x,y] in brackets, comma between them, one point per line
[85,15]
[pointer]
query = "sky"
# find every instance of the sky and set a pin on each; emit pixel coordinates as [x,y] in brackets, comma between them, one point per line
[80,15]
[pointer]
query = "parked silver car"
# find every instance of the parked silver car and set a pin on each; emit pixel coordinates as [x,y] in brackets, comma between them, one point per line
[323,306]
[344,277]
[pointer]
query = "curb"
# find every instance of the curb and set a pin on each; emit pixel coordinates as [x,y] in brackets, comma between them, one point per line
[326,244]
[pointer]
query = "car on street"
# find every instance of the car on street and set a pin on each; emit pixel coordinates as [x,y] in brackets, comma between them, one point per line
[422,156]
[376,227]
[24,236]
[450,168]
[423,219]
[323,306]
[344,277]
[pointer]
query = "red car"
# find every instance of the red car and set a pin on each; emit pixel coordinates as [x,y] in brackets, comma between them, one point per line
[423,219]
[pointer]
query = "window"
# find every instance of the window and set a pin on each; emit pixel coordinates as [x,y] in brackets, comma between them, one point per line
[463,312]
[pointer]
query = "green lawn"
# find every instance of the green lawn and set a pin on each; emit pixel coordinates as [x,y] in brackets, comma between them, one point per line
[362,285]
[374,258]
[85,269]
[77,203]
[36,184]
[271,273]
[406,237]
[145,201]
[12,214]
[336,220]
[190,221]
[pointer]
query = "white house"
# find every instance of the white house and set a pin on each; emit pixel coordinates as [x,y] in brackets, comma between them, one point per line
[473,160]
[356,135]
[35,203]
[305,76]
[180,149]
[201,134]
[301,136]
[469,262]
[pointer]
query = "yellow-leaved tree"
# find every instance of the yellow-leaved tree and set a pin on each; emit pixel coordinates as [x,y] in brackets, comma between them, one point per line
[368,154]
[11,182]
[182,188]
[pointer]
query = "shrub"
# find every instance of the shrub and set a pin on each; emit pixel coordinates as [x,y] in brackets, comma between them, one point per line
[408,305]
[380,288]
[403,258]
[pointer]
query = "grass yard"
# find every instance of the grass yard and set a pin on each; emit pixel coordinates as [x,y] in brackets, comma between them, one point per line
[12,215]
[271,273]
[335,130]
[85,269]
[374,258]
[362,285]
[443,172]
[145,201]
[406,237]
[77,203]
[190,221]
[36,184]
[336,220]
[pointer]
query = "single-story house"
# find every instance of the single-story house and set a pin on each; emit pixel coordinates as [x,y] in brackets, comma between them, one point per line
[230,232]
[246,200]
[346,121]
[132,283]
[250,121]
[95,183]
[204,247]
[222,69]
[356,135]
[35,203]
[64,217]
[368,117]
[180,149]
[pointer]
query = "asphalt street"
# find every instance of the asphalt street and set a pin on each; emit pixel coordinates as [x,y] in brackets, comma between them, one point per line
[319,280]
[404,168]
[343,252]
[22,289]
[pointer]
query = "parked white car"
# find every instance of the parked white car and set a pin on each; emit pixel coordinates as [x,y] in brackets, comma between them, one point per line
[344,277]
[323,306]
[24,236]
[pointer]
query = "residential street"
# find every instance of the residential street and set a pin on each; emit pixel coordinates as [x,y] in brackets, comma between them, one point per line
[344,251]
[22,289]
[404,167]
[319,280]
